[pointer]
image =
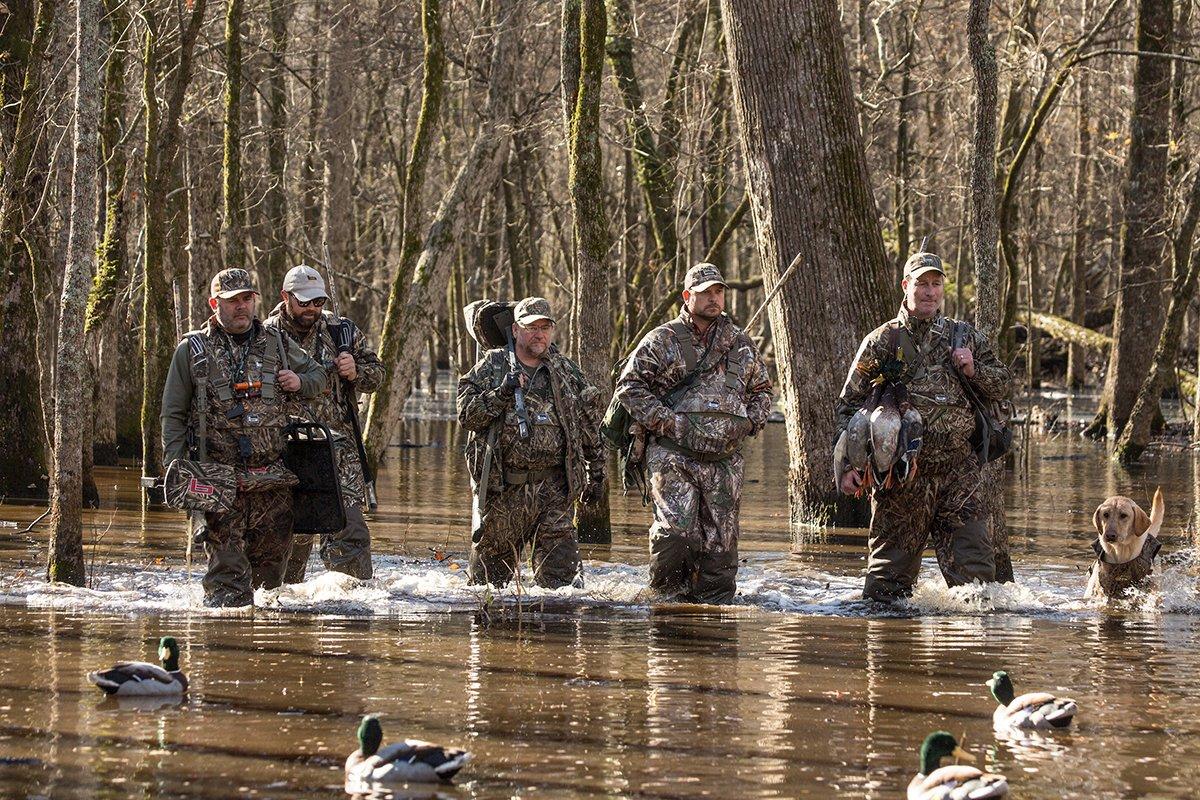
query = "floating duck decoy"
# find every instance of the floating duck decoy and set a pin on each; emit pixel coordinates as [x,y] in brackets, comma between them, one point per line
[1031,711]
[954,781]
[142,679]
[411,761]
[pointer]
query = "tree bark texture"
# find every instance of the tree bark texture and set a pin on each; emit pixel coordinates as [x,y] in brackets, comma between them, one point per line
[337,128]
[1080,240]
[65,561]
[24,38]
[1144,234]
[400,351]
[275,209]
[234,247]
[811,196]
[593,323]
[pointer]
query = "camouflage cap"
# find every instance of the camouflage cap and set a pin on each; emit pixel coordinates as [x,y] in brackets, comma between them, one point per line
[230,283]
[920,263]
[702,276]
[304,283]
[531,309]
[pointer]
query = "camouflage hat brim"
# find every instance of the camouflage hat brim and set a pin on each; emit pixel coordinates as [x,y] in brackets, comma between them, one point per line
[529,319]
[924,268]
[231,293]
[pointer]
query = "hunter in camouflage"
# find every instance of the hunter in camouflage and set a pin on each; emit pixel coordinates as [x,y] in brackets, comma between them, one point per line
[528,495]
[226,392]
[943,501]
[299,314]
[697,388]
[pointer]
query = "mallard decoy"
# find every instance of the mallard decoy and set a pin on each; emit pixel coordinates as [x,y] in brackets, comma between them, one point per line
[411,761]
[1032,711]
[912,429]
[885,437]
[142,679]
[955,781]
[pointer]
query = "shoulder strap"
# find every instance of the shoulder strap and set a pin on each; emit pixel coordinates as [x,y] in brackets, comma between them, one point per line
[199,354]
[696,364]
[274,356]
[687,343]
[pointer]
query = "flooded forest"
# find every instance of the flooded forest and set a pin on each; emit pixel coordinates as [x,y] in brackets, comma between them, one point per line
[1031,166]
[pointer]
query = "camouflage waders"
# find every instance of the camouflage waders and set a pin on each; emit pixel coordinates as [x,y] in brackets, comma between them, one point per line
[945,506]
[694,538]
[247,547]
[537,514]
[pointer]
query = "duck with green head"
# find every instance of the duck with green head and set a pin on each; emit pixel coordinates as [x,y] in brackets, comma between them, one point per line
[1032,711]
[142,679]
[935,782]
[410,761]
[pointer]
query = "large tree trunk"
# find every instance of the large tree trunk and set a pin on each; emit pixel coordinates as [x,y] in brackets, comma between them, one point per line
[592,322]
[1139,312]
[984,234]
[25,39]
[65,562]
[400,351]
[811,199]
[275,208]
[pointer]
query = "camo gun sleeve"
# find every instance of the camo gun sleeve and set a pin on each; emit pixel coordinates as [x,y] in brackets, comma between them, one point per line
[370,368]
[480,401]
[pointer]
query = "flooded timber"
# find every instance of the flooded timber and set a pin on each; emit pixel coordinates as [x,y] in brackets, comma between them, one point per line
[799,690]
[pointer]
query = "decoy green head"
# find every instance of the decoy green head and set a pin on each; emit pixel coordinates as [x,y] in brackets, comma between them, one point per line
[370,735]
[168,652]
[1002,687]
[939,745]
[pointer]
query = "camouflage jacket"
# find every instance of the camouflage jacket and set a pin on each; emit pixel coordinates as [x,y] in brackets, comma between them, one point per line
[328,407]
[729,400]
[262,413]
[564,417]
[934,388]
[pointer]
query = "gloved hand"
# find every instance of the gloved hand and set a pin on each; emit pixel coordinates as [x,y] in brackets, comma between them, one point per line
[508,387]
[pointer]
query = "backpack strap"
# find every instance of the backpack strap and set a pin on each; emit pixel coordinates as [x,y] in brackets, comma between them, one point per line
[687,343]
[198,349]
[273,356]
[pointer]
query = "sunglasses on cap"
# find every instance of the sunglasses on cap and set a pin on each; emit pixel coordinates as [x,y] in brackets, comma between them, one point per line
[316,301]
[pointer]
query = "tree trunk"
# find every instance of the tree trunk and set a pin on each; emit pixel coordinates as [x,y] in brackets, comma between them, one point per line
[65,562]
[275,209]
[984,232]
[400,352]
[1077,356]
[593,323]
[791,83]
[25,38]
[233,249]
[1139,311]
[1136,434]
[337,217]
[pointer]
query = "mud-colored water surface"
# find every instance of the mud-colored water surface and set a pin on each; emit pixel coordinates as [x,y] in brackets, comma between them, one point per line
[800,690]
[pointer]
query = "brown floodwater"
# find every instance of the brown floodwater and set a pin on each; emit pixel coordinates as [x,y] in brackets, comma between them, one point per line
[800,690]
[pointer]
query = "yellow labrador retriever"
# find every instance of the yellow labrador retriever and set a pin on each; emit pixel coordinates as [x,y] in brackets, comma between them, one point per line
[1126,544]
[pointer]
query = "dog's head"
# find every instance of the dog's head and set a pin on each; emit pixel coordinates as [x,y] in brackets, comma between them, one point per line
[1120,523]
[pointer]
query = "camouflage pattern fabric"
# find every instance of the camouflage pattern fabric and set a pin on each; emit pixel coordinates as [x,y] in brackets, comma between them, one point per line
[347,551]
[694,538]
[943,501]
[1117,579]
[200,485]
[247,547]
[933,387]
[535,515]
[328,407]
[944,505]
[564,415]
[271,476]
[696,473]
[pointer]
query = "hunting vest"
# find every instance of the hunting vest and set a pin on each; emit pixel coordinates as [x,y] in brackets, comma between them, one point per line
[1115,579]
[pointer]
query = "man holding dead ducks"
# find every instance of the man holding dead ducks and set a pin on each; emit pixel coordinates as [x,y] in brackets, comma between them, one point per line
[933,363]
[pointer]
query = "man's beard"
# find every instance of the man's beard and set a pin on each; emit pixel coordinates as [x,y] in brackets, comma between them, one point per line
[304,321]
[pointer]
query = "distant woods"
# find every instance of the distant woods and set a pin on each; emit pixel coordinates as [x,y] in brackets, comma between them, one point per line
[590,151]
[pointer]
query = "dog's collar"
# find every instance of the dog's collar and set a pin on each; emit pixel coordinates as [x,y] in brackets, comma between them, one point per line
[1149,550]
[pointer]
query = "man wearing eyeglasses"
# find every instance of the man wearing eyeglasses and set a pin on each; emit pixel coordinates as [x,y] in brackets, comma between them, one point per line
[533,480]
[301,315]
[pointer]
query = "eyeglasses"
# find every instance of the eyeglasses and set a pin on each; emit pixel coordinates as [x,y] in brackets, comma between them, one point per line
[318,301]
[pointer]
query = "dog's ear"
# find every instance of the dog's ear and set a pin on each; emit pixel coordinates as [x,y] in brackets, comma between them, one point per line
[1096,520]
[1141,520]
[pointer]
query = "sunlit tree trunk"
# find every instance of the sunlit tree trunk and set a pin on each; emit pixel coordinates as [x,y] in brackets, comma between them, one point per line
[811,199]
[65,561]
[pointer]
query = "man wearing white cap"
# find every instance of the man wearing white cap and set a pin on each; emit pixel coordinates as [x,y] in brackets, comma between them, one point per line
[352,368]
